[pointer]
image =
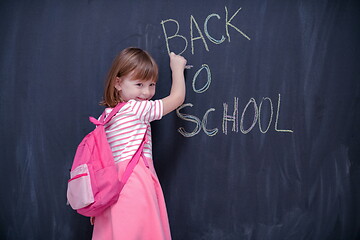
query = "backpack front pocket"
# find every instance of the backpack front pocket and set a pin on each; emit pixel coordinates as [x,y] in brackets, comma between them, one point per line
[79,192]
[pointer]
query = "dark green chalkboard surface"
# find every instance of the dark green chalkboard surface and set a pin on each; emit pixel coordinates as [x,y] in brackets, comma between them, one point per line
[266,145]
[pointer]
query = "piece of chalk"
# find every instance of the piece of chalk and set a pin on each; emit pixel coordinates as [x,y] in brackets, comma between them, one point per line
[188,66]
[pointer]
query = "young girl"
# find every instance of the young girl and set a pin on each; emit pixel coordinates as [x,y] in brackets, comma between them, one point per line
[140,212]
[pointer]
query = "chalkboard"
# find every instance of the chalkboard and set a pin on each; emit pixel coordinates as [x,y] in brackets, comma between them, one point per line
[266,145]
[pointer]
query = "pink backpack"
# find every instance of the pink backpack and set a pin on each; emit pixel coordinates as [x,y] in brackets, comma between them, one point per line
[94,184]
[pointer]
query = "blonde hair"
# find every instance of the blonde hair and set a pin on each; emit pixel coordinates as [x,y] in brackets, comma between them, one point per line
[134,61]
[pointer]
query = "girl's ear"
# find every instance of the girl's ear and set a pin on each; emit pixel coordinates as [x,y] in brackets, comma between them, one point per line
[118,83]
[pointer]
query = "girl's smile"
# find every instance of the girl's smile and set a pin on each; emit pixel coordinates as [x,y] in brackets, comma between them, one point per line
[138,90]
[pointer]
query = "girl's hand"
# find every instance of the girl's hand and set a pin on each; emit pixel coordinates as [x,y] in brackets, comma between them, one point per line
[177,62]
[92,220]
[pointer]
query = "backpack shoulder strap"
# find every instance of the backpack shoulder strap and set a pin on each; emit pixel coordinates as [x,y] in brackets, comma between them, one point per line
[133,162]
[115,110]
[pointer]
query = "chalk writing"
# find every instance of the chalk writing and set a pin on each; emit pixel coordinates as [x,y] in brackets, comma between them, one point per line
[209,132]
[271,116]
[173,36]
[256,116]
[227,118]
[193,21]
[190,118]
[277,118]
[213,40]
[196,120]
[202,124]
[207,85]
[194,25]
[229,24]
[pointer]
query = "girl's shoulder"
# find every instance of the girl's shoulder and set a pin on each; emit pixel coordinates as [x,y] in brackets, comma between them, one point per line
[132,101]
[133,105]
[143,104]
[146,110]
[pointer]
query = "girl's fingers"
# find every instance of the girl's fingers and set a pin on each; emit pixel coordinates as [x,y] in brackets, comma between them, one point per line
[177,60]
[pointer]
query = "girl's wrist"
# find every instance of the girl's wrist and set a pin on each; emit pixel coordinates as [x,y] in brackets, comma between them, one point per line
[178,70]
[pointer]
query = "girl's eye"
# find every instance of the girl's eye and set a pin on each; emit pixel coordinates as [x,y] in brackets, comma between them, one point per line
[152,84]
[139,84]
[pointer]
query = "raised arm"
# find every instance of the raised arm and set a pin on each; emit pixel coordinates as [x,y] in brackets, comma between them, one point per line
[177,92]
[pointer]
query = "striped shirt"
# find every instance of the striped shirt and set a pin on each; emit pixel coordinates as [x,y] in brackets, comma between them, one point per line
[126,130]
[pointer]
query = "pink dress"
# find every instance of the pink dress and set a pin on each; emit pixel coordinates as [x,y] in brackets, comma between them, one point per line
[140,212]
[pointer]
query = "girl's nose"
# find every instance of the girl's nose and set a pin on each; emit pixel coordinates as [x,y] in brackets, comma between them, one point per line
[145,91]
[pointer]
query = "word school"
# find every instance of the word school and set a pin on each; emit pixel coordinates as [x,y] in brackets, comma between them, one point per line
[234,118]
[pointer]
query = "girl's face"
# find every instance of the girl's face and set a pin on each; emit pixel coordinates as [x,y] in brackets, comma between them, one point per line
[138,90]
